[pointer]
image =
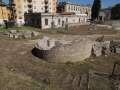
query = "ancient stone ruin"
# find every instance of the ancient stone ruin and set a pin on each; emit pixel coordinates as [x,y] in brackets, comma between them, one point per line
[72,51]
[21,34]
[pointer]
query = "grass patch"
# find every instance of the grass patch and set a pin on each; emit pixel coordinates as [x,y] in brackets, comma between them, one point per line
[2,29]
[76,30]
[16,81]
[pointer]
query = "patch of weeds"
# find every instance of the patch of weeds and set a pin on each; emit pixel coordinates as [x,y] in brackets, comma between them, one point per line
[36,83]
[43,86]
[2,28]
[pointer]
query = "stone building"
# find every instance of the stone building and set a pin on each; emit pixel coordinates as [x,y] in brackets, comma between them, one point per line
[45,21]
[4,12]
[74,8]
[67,14]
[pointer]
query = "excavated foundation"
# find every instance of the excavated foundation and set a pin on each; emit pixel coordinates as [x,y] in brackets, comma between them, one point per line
[71,51]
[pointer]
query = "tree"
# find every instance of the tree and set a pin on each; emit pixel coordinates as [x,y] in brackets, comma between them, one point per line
[96,9]
[115,12]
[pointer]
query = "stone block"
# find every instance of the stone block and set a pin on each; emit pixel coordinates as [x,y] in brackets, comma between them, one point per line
[101,48]
[16,36]
[13,31]
[118,50]
[11,35]
[45,44]
[34,34]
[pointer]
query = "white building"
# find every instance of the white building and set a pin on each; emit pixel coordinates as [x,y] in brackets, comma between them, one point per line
[45,21]
[74,8]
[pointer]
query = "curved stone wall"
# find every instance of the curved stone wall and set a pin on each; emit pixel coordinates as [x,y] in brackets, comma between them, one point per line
[76,51]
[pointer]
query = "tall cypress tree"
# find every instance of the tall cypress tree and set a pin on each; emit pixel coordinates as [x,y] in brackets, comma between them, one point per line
[96,9]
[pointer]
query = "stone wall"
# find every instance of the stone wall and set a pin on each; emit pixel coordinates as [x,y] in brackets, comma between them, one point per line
[76,50]
[114,23]
[62,20]
[21,34]
[72,52]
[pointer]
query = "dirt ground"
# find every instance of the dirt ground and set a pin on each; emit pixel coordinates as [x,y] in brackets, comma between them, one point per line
[20,69]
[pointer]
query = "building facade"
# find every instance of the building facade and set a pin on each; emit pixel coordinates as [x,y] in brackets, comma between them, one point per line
[4,12]
[20,10]
[44,6]
[53,6]
[45,21]
[33,6]
[74,8]
[67,14]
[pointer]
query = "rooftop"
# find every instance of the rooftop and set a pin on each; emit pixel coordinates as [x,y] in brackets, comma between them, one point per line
[74,4]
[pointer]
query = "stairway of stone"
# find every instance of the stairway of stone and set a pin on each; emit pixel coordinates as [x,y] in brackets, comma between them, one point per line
[70,81]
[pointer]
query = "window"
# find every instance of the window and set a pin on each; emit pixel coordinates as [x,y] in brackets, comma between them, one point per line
[46,21]
[48,43]
[34,7]
[59,21]
[66,20]
[20,12]
[20,17]
[79,20]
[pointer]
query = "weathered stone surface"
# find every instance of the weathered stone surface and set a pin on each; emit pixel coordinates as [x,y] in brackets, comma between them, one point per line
[22,34]
[105,26]
[92,27]
[27,34]
[117,28]
[115,46]
[16,36]
[117,49]
[11,35]
[13,31]
[116,25]
[101,48]
[72,51]
[58,51]
[45,44]
[34,34]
